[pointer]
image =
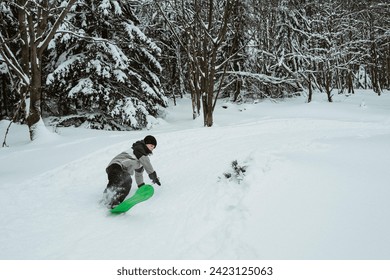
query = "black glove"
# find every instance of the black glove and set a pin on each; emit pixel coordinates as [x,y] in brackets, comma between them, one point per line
[154,178]
[140,185]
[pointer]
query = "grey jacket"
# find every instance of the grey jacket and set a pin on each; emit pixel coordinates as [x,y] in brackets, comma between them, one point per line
[135,160]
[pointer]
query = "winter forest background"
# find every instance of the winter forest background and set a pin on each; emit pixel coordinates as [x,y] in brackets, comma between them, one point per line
[112,64]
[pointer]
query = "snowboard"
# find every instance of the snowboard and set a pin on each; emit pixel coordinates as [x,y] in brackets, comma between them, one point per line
[143,193]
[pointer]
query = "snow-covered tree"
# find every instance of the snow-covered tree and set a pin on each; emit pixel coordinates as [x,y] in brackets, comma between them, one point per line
[104,70]
[202,33]
[111,61]
[289,44]
[153,24]
[7,97]
[22,48]
[235,48]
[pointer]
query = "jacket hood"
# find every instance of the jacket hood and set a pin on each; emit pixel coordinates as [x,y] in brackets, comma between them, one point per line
[140,149]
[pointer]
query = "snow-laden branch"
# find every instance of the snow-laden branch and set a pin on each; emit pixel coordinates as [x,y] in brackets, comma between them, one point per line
[86,37]
[12,62]
[263,78]
[43,45]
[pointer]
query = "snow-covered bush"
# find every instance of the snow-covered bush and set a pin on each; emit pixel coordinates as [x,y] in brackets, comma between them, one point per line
[236,171]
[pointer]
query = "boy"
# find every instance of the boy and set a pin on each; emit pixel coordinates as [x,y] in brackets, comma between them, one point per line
[122,166]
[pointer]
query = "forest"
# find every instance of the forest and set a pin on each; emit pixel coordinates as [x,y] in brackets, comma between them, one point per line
[114,65]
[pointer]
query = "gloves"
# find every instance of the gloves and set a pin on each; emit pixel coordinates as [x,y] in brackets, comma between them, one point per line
[154,178]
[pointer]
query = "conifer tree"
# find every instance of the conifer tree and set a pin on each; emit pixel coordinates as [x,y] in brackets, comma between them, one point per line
[104,71]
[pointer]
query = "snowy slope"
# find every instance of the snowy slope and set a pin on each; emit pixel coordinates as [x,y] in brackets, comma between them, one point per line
[316,186]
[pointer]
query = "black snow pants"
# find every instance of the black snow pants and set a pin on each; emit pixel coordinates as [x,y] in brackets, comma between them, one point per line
[118,187]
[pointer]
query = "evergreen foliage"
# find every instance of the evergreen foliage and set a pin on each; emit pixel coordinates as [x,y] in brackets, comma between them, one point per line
[236,171]
[9,96]
[103,70]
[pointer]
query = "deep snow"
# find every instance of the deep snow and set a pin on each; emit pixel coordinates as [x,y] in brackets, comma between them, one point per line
[316,186]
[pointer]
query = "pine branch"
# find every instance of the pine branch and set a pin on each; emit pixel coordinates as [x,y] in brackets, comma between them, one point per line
[42,46]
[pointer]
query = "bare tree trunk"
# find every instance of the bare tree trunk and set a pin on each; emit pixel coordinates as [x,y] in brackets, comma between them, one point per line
[34,113]
[350,82]
[210,65]
[310,90]
[388,65]
[35,33]
[328,86]
[180,71]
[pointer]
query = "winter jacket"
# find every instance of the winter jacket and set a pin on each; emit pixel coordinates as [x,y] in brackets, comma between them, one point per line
[136,160]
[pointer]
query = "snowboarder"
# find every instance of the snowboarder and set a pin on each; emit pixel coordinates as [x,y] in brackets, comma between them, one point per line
[127,163]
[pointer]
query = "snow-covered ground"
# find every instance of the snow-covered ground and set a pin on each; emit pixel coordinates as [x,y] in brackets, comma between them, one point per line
[316,186]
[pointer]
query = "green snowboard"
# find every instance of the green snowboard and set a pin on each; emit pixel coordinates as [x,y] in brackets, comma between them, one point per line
[143,193]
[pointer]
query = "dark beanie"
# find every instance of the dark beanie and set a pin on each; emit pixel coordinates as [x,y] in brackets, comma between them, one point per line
[150,140]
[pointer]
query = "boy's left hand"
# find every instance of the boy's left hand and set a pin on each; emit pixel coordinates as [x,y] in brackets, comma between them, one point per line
[154,178]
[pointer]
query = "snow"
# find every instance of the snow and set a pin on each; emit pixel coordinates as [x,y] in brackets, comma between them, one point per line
[84,86]
[316,186]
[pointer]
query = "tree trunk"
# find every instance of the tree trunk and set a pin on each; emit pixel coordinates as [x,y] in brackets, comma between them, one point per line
[328,86]
[388,65]
[36,35]
[350,82]
[34,113]
[310,90]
